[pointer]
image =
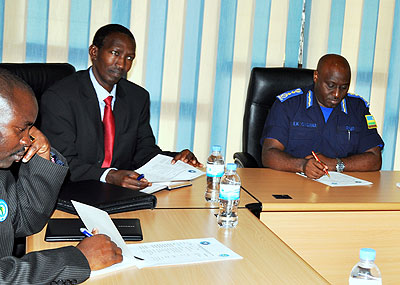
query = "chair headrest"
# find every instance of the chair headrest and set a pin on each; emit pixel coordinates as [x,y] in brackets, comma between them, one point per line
[39,76]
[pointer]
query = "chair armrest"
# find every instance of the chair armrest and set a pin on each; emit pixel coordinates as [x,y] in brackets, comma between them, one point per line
[245,160]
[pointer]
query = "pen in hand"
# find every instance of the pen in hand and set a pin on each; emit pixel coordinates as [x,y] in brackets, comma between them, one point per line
[88,234]
[85,232]
[140,177]
[317,159]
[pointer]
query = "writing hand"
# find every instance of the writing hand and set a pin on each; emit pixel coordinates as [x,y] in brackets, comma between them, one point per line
[39,145]
[313,169]
[100,251]
[126,178]
[188,157]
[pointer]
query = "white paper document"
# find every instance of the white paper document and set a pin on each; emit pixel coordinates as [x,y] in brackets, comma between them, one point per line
[165,185]
[155,253]
[93,217]
[338,179]
[160,169]
[185,251]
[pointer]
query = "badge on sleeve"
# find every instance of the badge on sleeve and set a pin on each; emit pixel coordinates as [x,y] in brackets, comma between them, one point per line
[3,210]
[370,121]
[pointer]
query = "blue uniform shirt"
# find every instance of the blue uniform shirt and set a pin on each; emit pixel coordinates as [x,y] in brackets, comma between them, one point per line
[296,120]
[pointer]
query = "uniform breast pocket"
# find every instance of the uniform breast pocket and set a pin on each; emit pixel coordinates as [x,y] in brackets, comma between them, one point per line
[348,137]
[301,138]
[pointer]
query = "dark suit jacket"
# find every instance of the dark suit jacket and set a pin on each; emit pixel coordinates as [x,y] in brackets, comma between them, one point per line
[72,122]
[31,199]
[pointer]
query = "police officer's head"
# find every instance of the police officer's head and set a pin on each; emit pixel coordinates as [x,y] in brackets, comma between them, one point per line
[332,80]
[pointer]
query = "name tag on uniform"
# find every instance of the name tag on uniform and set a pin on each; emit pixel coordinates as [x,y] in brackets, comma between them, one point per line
[304,124]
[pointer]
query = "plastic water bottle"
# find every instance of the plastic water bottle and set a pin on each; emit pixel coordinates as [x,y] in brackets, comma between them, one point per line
[366,272]
[215,170]
[229,197]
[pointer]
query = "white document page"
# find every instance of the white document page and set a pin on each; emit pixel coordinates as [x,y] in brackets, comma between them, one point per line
[160,169]
[165,185]
[182,252]
[154,188]
[338,179]
[93,217]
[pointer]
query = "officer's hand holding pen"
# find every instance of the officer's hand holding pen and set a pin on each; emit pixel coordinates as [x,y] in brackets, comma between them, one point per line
[312,168]
[325,167]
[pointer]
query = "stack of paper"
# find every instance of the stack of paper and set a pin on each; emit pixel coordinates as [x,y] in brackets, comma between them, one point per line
[155,253]
[162,174]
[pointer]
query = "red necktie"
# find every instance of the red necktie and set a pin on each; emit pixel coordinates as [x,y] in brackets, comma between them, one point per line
[109,133]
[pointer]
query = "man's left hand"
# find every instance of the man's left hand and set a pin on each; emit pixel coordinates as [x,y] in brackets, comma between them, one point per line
[39,145]
[188,157]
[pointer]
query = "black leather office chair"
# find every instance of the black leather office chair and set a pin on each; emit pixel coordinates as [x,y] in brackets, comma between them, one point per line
[39,76]
[264,85]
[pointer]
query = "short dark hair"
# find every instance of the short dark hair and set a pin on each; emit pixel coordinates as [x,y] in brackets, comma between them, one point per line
[103,32]
[8,83]
[9,80]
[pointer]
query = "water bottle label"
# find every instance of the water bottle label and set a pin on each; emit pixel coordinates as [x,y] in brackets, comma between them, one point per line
[353,281]
[229,192]
[215,170]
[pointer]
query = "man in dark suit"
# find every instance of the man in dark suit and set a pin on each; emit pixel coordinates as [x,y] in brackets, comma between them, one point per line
[75,115]
[26,202]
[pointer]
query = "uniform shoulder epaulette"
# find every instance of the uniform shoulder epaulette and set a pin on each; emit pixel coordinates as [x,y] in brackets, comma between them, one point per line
[289,94]
[359,97]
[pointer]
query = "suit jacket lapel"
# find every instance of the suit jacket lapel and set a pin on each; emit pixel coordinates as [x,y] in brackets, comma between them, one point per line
[93,110]
[121,111]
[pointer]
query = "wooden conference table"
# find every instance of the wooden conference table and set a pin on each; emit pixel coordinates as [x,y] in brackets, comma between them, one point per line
[193,197]
[308,195]
[266,259]
[183,213]
[327,226]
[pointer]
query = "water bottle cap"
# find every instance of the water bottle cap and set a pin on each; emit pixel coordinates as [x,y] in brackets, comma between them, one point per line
[231,166]
[367,254]
[216,148]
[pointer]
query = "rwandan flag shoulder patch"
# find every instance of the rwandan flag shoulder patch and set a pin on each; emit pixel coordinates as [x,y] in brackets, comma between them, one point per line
[370,121]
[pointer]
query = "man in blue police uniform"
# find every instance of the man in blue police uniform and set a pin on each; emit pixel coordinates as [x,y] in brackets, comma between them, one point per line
[323,118]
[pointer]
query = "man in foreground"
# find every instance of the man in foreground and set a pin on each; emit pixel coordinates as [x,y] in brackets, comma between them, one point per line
[26,202]
[323,118]
[99,120]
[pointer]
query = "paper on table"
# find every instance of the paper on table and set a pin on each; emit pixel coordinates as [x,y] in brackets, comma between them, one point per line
[160,169]
[165,185]
[95,218]
[154,188]
[127,262]
[182,252]
[338,179]
[174,253]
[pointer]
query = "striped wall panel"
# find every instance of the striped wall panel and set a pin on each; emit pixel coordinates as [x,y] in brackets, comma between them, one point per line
[195,56]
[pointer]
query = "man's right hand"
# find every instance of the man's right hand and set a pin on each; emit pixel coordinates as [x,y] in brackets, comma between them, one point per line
[100,251]
[313,169]
[126,178]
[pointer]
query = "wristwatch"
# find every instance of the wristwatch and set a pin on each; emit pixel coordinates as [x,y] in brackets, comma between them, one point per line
[340,165]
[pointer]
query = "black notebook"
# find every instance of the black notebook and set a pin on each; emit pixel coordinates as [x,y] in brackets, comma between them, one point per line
[108,197]
[69,229]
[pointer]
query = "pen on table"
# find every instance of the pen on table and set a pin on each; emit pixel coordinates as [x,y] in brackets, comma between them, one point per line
[317,159]
[88,234]
[141,176]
